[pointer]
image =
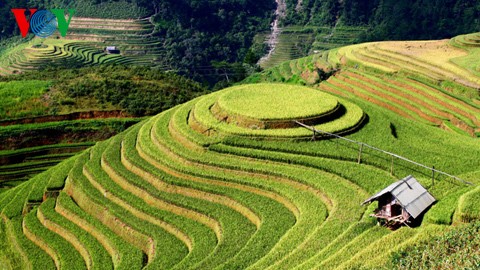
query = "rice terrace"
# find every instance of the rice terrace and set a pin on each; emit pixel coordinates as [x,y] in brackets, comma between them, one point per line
[364,156]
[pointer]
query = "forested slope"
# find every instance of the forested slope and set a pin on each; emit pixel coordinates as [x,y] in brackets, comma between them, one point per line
[210,40]
[192,34]
[390,19]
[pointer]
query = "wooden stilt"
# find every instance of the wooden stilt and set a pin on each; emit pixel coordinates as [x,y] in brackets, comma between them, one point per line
[360,153]
[433,175]
[391,168]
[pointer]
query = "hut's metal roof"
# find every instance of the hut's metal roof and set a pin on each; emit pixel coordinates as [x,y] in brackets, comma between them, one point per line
[409,193]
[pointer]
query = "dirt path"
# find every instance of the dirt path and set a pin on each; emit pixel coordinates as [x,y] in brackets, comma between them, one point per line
[276,30]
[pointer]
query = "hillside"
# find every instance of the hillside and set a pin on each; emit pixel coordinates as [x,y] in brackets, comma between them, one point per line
[114,160]
[434,82]
[190,37]
[389,19]
[442,252]
[295,42]
[227,181]
[85,46]
[183,37]
[48,116]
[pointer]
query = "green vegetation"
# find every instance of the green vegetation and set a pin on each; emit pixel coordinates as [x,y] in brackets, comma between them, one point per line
[8,255]
[48,108]
[40,152]
[469,206]
[90,38]
[19,98]
[389,19]
[305,71]
[137,91]
[89,248]
[124,255]
[296,41]
[62,253]
[456,248]
[147,33]
[29,135]
[190,37]
[31,256]
[20,165]
[22,158]
[314,26]
[110,9]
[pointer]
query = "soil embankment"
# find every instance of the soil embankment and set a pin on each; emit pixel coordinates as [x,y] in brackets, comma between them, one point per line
[65,117]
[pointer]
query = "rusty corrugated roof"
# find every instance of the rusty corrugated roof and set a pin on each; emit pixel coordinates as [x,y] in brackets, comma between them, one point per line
[409,193]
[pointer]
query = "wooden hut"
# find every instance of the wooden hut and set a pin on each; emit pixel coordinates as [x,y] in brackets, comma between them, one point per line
[401,202]
[112,50]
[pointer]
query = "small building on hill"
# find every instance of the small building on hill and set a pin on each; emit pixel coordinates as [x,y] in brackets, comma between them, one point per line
[112,50]
[401,202]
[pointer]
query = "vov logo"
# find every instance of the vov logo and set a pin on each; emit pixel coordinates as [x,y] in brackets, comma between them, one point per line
[43,23]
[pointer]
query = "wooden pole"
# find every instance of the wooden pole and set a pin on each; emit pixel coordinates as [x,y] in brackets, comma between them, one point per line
[433,175]
[391,168]
[360,153]
[381,151]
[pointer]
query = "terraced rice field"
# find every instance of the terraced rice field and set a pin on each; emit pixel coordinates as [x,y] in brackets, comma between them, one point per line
[17,166]
[30,149]
[410,99]
[434,85]
[85,45]
[299,41]
[191,189]
[434,82]
[432,59]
